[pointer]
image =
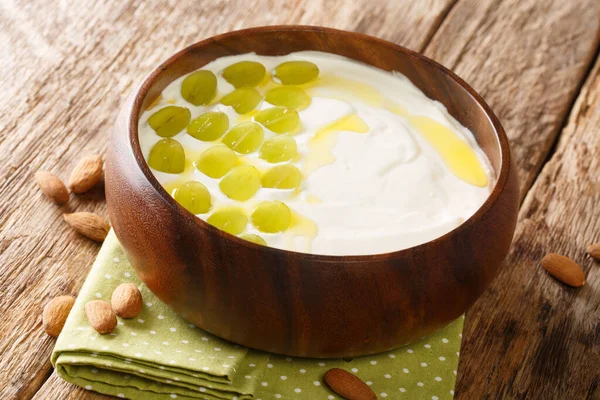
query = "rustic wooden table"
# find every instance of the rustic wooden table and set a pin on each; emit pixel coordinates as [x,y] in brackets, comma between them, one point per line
[66,66]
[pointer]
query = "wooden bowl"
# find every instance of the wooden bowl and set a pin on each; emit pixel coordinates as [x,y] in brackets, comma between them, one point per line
[302,304]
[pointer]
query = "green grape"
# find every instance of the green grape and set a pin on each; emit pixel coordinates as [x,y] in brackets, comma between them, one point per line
[229,219]
[288,96]
[279,119]
[167,155]
[271,217]
[253,238]
[278,149]
[169,121]
[241,183]
[199,87]
[296,72]
[243,100]
[282,177]
[244,73]
[216,161]
[245,138]
[208,126]
[194,197]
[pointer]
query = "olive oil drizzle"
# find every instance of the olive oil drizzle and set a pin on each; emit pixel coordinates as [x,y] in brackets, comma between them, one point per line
[455,152]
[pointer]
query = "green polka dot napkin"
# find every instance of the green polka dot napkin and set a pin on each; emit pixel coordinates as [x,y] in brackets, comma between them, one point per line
[158,355]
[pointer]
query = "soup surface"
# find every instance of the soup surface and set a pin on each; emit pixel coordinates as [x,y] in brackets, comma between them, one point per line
[315,153]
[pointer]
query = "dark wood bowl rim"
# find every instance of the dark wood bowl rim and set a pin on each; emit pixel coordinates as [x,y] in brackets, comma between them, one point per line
[501,179]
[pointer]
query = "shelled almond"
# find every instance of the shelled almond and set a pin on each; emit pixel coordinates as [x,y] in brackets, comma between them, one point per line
[594,250]
[564,269]
[101,316]
[348,385]
[89,225]
[126,300]
[52,187]
[55,314]
[86,175]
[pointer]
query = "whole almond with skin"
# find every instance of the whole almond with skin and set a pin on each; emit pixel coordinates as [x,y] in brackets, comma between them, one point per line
[564,269]
[348,385]
[88,224]
[86,175]
[126,300]
[52,187]
[594,250]
[55,314]
[101,316]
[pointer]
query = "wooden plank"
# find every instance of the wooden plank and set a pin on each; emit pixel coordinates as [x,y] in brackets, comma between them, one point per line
[56,388]
[531,336]
[527,59]
[473,44]
[68,67]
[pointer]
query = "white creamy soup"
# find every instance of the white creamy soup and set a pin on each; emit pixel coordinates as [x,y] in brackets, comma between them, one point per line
[314,153]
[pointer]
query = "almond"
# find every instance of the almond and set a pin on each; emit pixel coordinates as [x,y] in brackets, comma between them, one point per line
[564,269]
[594,250]
[86,175]
[52,187]
[55,314]
[101,316]
[89,225]
[347,385]
[126,300]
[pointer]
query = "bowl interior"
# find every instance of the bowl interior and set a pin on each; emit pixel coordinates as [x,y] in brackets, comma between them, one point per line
[437,82]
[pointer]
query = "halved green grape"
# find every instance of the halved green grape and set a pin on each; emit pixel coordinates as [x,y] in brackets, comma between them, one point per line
[278,149]
[244,73]
[241,183]
[167,155]
[169,121]
[288,96]
[243,100]
[282,177]
[194,197]
[229,219]
[271,217]
[279,119]
[216,161]
[244,138]
[208,126]
[199,87]
[296,72]
[253,238]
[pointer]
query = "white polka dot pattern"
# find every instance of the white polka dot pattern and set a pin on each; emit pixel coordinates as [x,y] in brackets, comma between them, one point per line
[160,356]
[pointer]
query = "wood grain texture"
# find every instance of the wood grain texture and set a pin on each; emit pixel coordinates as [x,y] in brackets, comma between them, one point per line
[527,59]
[66,66]
[56,388]
[542,338]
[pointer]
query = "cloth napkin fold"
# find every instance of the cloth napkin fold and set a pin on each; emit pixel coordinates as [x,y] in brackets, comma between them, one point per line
[158,355]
